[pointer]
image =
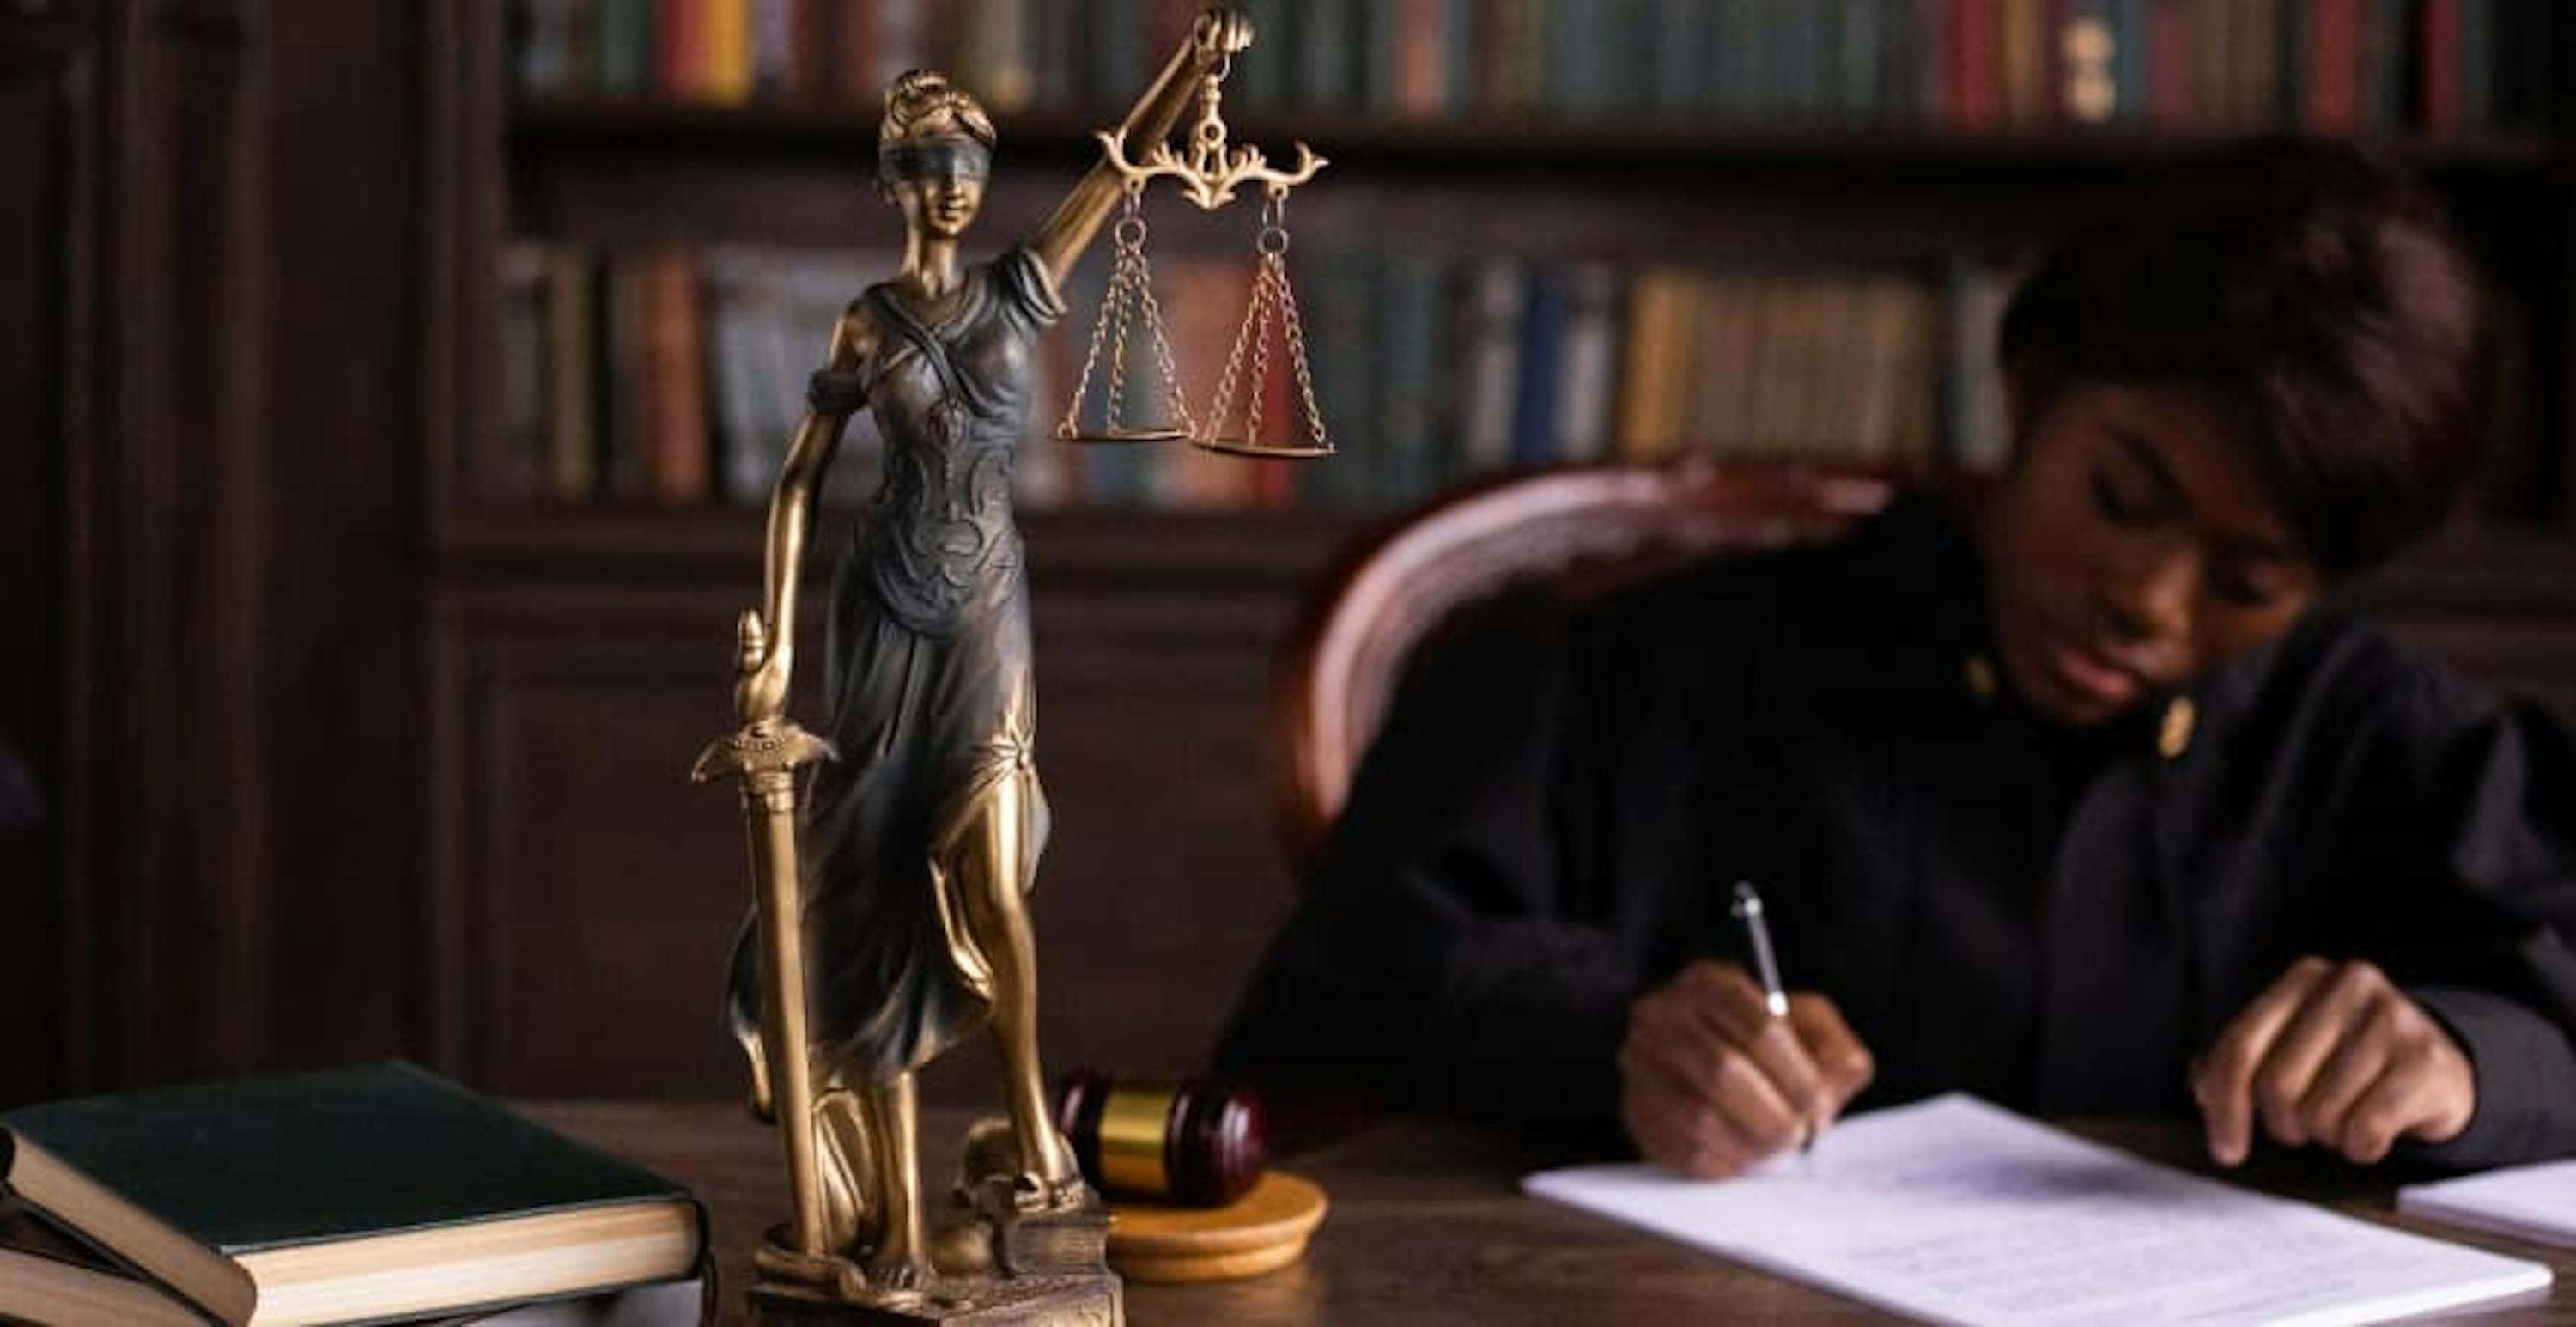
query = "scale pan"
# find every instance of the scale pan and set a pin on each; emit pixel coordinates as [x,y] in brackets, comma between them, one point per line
[1121,436]
[1267,451]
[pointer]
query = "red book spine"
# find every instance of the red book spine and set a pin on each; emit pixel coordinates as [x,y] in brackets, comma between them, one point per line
[2334,65]
[1418,61]
[678,457]
[2168,65]
[679,42]
[1974,93]
[2440,90]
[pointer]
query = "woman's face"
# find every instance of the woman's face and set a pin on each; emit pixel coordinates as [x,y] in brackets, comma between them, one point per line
[2132,548]
[939,185]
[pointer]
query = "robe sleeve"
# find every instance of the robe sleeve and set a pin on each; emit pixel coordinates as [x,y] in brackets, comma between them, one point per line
[1027,289]
[1432,962]
[2478,920]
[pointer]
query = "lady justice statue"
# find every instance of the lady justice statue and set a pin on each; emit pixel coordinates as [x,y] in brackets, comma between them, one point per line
[895,923]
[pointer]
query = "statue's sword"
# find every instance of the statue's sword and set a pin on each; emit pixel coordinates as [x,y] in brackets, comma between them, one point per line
[763,757]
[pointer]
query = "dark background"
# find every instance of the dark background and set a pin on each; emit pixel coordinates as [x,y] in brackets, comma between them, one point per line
[338,769]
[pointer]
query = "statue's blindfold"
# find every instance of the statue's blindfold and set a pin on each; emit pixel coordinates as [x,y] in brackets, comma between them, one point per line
[934,158]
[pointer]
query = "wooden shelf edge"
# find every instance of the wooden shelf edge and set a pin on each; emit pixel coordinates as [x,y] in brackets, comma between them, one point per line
[1486,143]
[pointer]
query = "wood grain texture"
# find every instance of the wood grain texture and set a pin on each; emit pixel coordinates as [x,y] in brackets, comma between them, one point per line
[1428,1227]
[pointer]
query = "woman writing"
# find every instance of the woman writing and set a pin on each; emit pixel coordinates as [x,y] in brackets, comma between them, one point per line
[2081,799]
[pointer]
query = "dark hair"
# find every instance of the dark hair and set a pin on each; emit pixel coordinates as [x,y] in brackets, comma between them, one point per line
[2317,293]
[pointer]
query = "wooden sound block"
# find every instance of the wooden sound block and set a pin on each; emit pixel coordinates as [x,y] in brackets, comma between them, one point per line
[1263,1231]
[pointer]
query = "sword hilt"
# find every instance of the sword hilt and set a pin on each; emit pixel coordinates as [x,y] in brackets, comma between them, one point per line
[769,747]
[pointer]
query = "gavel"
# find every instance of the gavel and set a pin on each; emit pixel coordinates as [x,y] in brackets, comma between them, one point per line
[1198,1143]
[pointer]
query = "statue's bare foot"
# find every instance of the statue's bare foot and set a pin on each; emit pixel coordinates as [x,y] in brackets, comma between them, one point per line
[898,1271]
[1033,1193]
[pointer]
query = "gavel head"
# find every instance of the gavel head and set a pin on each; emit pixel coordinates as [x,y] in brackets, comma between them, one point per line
[1198,1143]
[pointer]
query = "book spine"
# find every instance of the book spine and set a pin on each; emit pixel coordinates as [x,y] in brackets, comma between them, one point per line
[902,39]
[572,470]
[2027,92]
[2088,62]
[1407,444]
[1645,371]
[854,53]
[625,47]
[628,476]
[677,39]
[677,448]
[1864,41]
[2438,78]
[2330,93]
[1591,352]
[2476,46]
[1422,75]
[1490,349]
[1326,54]
[1535,411]
[513,472]
[773,48]
[544,47]
[1975,91]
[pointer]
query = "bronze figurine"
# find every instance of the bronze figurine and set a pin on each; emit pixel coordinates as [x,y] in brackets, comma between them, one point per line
[890,920]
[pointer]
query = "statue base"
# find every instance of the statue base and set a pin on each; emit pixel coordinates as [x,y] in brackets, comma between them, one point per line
[999,1265]
[1022,1301]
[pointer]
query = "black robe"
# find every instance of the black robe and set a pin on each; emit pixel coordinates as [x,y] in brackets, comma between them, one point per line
[1563,795]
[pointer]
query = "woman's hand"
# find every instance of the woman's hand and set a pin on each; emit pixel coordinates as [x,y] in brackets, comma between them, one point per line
[760,675]
[1710,1082]
[1221,30]
[2335,1055]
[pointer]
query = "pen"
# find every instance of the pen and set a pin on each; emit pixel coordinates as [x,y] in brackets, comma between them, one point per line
[1766,966]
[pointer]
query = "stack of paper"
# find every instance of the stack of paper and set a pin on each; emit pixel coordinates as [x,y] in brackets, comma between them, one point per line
[2536,1203]
[1954,1209]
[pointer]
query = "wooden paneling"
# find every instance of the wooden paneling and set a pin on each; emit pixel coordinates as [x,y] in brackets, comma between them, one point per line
[48,105]
[340,574]
[587,894]
[162,821]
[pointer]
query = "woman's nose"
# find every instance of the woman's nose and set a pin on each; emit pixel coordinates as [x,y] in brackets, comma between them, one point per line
[2151,599]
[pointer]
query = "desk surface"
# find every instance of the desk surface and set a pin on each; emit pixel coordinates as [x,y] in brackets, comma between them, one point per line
[1427,1227]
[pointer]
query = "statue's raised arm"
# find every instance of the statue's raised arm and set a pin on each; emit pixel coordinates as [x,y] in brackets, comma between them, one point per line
[1218,35]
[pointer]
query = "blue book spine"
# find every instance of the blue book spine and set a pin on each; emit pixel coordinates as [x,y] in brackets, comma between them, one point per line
[2477,64]
[1411,385]
[2129,40]
[1534,405]
[1458,38]
[1382,55]
[1326,78]
[1116,46]
[1676,46]
[1862,38]
[1263,71]
[625,47]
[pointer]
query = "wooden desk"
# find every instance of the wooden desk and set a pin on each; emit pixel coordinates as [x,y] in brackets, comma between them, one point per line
[1427,1227]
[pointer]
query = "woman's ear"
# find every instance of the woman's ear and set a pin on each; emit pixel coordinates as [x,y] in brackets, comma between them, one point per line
[2028,384]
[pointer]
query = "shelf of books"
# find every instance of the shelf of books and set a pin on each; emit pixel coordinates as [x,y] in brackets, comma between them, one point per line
[639,380]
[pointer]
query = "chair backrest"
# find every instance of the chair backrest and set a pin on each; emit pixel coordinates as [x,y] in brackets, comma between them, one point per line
[1581,530]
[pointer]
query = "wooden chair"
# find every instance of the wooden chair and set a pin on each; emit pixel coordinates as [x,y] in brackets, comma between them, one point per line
[1583,530]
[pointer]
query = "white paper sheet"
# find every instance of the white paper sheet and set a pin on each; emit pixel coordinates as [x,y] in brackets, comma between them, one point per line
[2536,1203]
[1954,1209]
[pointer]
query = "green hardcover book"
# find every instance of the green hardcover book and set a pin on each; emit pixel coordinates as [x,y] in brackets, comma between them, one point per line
[349,1195]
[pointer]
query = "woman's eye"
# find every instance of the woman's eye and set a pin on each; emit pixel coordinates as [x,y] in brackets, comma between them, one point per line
[2241,588]
[2108,499]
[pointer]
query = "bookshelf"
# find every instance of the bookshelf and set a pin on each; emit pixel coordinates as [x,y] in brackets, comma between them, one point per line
[580,645]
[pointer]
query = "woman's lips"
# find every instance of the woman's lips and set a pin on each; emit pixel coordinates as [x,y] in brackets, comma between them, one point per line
[2095,677]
